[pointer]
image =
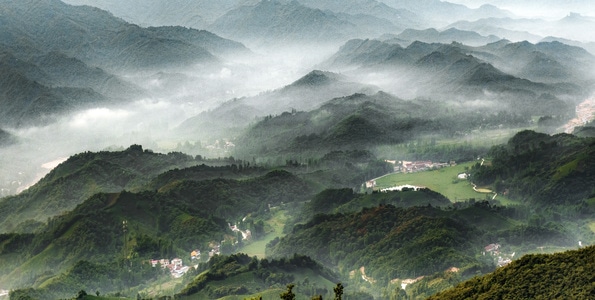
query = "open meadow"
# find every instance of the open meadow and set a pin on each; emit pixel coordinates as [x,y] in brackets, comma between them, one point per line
[443,181]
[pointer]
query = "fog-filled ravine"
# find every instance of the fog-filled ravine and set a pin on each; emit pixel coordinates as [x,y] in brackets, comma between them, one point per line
[398,147]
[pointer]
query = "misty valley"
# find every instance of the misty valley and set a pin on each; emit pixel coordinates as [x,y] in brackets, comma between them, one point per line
[297,149]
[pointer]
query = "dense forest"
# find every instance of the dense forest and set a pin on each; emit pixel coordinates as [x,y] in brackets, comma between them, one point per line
[567,275]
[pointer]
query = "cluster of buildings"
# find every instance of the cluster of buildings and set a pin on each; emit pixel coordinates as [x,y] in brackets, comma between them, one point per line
[494,250]
[225,145]
[418,166]
[176,266]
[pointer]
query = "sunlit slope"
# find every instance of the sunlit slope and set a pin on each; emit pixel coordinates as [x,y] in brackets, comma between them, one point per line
[83,175]
[567,275]
[172,222]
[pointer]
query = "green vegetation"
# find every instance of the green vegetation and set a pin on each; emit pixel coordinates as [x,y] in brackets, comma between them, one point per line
[567,275]
[84,175]
[367,122]
[541,169]
[276,224]
[241,275]
[443,181]
[372,241]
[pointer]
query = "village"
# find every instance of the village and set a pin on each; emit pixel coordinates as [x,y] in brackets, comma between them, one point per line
[501,259]
[176,266]
[403,166]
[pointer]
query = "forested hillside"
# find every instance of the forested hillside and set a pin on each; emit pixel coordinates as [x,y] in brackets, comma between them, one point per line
[543,170]
[567,275]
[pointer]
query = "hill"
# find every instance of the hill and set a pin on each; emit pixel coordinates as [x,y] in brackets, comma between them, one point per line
[308,92]
[439,13]
[98,38]
[382,240]
[279,23]
[82,176]
[541,169]
[171,222]
[230,276]
[194,14]
[447,36]
[494,73]
[57,58]
[358,122]
[533,277]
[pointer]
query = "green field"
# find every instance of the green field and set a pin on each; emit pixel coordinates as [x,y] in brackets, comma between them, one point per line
[592,226]
[443,181]
[276,223]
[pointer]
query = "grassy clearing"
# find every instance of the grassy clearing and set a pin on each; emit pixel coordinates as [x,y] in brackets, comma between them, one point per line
[592,226]
[443,181]
[276,223]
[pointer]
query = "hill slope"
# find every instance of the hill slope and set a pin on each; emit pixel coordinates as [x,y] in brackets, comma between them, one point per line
[542,169]
[567,275]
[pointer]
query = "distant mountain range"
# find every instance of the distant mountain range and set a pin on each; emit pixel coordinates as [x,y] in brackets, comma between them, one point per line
[276,22]
[439,13]
[569,27]
[54,57]
[531,72]
[432,35]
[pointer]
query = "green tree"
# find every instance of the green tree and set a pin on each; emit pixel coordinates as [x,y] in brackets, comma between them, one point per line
[288,295]
[338,291]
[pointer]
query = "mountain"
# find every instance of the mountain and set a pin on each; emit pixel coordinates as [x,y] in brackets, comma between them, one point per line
[27,102]
[306,93]
[589,46]
[432,35]
[98,38]
[519,29]
[279,23]
[533,277]
[487,72]
[195,14]
[400,18]
[507,28]
[58,58]
[438,13]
